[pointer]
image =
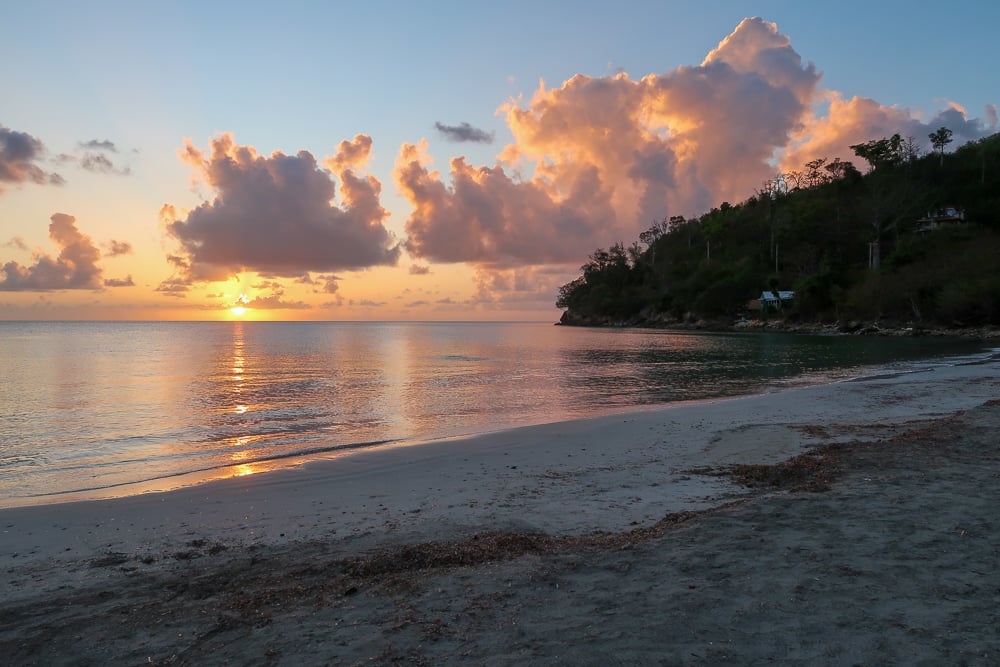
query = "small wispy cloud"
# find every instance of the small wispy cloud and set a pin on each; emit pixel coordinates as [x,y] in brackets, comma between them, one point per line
[463,132]
[115,248]
[96,145]
[120,282]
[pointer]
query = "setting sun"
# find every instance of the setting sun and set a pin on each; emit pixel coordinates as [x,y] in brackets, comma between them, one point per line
[239,307]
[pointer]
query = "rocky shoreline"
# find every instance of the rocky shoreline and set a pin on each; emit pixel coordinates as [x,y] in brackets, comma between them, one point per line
[786,325]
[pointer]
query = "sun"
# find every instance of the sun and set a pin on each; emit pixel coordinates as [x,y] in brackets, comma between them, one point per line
[239,308]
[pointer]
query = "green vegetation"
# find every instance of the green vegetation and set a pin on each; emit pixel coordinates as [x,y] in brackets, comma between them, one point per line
[851,246]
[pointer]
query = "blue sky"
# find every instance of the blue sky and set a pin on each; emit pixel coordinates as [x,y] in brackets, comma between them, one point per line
[306,76]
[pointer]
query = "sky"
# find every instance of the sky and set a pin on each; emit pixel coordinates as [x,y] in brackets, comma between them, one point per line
[425,161]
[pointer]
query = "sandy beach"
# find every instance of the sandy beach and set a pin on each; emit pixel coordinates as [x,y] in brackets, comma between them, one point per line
[842,524]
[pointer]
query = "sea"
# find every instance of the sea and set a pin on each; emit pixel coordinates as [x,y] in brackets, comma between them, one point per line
[104,409]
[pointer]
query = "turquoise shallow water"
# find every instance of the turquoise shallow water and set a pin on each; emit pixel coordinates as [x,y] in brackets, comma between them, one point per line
[108,407]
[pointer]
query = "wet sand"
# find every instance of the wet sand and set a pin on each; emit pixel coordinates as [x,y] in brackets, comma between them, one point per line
[852,523]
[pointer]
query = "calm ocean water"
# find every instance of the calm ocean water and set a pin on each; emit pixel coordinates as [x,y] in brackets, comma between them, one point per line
[100,409]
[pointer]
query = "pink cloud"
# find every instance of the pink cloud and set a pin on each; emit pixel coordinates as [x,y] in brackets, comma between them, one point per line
[846,122]
[274,215]
[602,157]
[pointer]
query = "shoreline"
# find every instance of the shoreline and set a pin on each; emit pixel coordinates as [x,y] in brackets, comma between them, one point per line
[545,444]
[379,540]
[984,333]
[294,461]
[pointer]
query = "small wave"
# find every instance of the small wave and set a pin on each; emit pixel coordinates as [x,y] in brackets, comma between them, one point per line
[301,453]
[10,461]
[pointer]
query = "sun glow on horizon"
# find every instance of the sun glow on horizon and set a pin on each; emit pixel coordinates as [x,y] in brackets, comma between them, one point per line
[239,308]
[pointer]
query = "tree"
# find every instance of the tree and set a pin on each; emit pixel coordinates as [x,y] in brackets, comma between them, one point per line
[885,152]
[940,139]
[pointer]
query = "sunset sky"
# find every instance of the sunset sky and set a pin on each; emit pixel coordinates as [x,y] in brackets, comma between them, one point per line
[425,161]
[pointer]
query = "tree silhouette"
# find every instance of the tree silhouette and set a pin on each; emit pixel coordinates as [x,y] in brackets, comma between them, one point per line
[940,139]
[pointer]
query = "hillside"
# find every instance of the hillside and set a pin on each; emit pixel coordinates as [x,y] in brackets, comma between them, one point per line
[851,245]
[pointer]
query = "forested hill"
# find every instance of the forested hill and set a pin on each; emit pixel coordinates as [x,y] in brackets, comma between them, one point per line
[851,245]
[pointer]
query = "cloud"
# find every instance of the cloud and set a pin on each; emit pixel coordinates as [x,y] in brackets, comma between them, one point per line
[120,282]
[16,242]
[419,270]
[19,153]
[101,164]
[75,268]
[274,215]
[115,248]
[596,159]
[464,132]
[274,302]
[94,159]
[846,122]
[330,283]
[173,287]
[96,145]
[488,217]
[523,288]
[267,284]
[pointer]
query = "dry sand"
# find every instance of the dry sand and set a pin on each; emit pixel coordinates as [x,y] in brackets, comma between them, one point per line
[844,524]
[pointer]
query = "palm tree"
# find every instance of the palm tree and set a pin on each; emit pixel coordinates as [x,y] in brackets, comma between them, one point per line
[940,139]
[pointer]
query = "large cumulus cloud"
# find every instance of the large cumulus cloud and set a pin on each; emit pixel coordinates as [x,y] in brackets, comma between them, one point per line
[275,215]
[597,159]
[76,266]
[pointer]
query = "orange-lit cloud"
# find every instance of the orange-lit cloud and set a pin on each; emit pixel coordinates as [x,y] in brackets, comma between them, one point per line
[603,157]
[851,121]
[76,266]
[274,215]
[20,154]
[275,302]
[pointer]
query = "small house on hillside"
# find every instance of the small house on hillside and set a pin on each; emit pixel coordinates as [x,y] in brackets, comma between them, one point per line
[773,301]
[949,215]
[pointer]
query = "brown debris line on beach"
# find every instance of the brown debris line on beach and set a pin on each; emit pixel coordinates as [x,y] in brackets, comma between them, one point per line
[896,562]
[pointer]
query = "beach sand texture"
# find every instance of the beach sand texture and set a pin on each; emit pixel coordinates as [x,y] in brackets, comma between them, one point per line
[851,523]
